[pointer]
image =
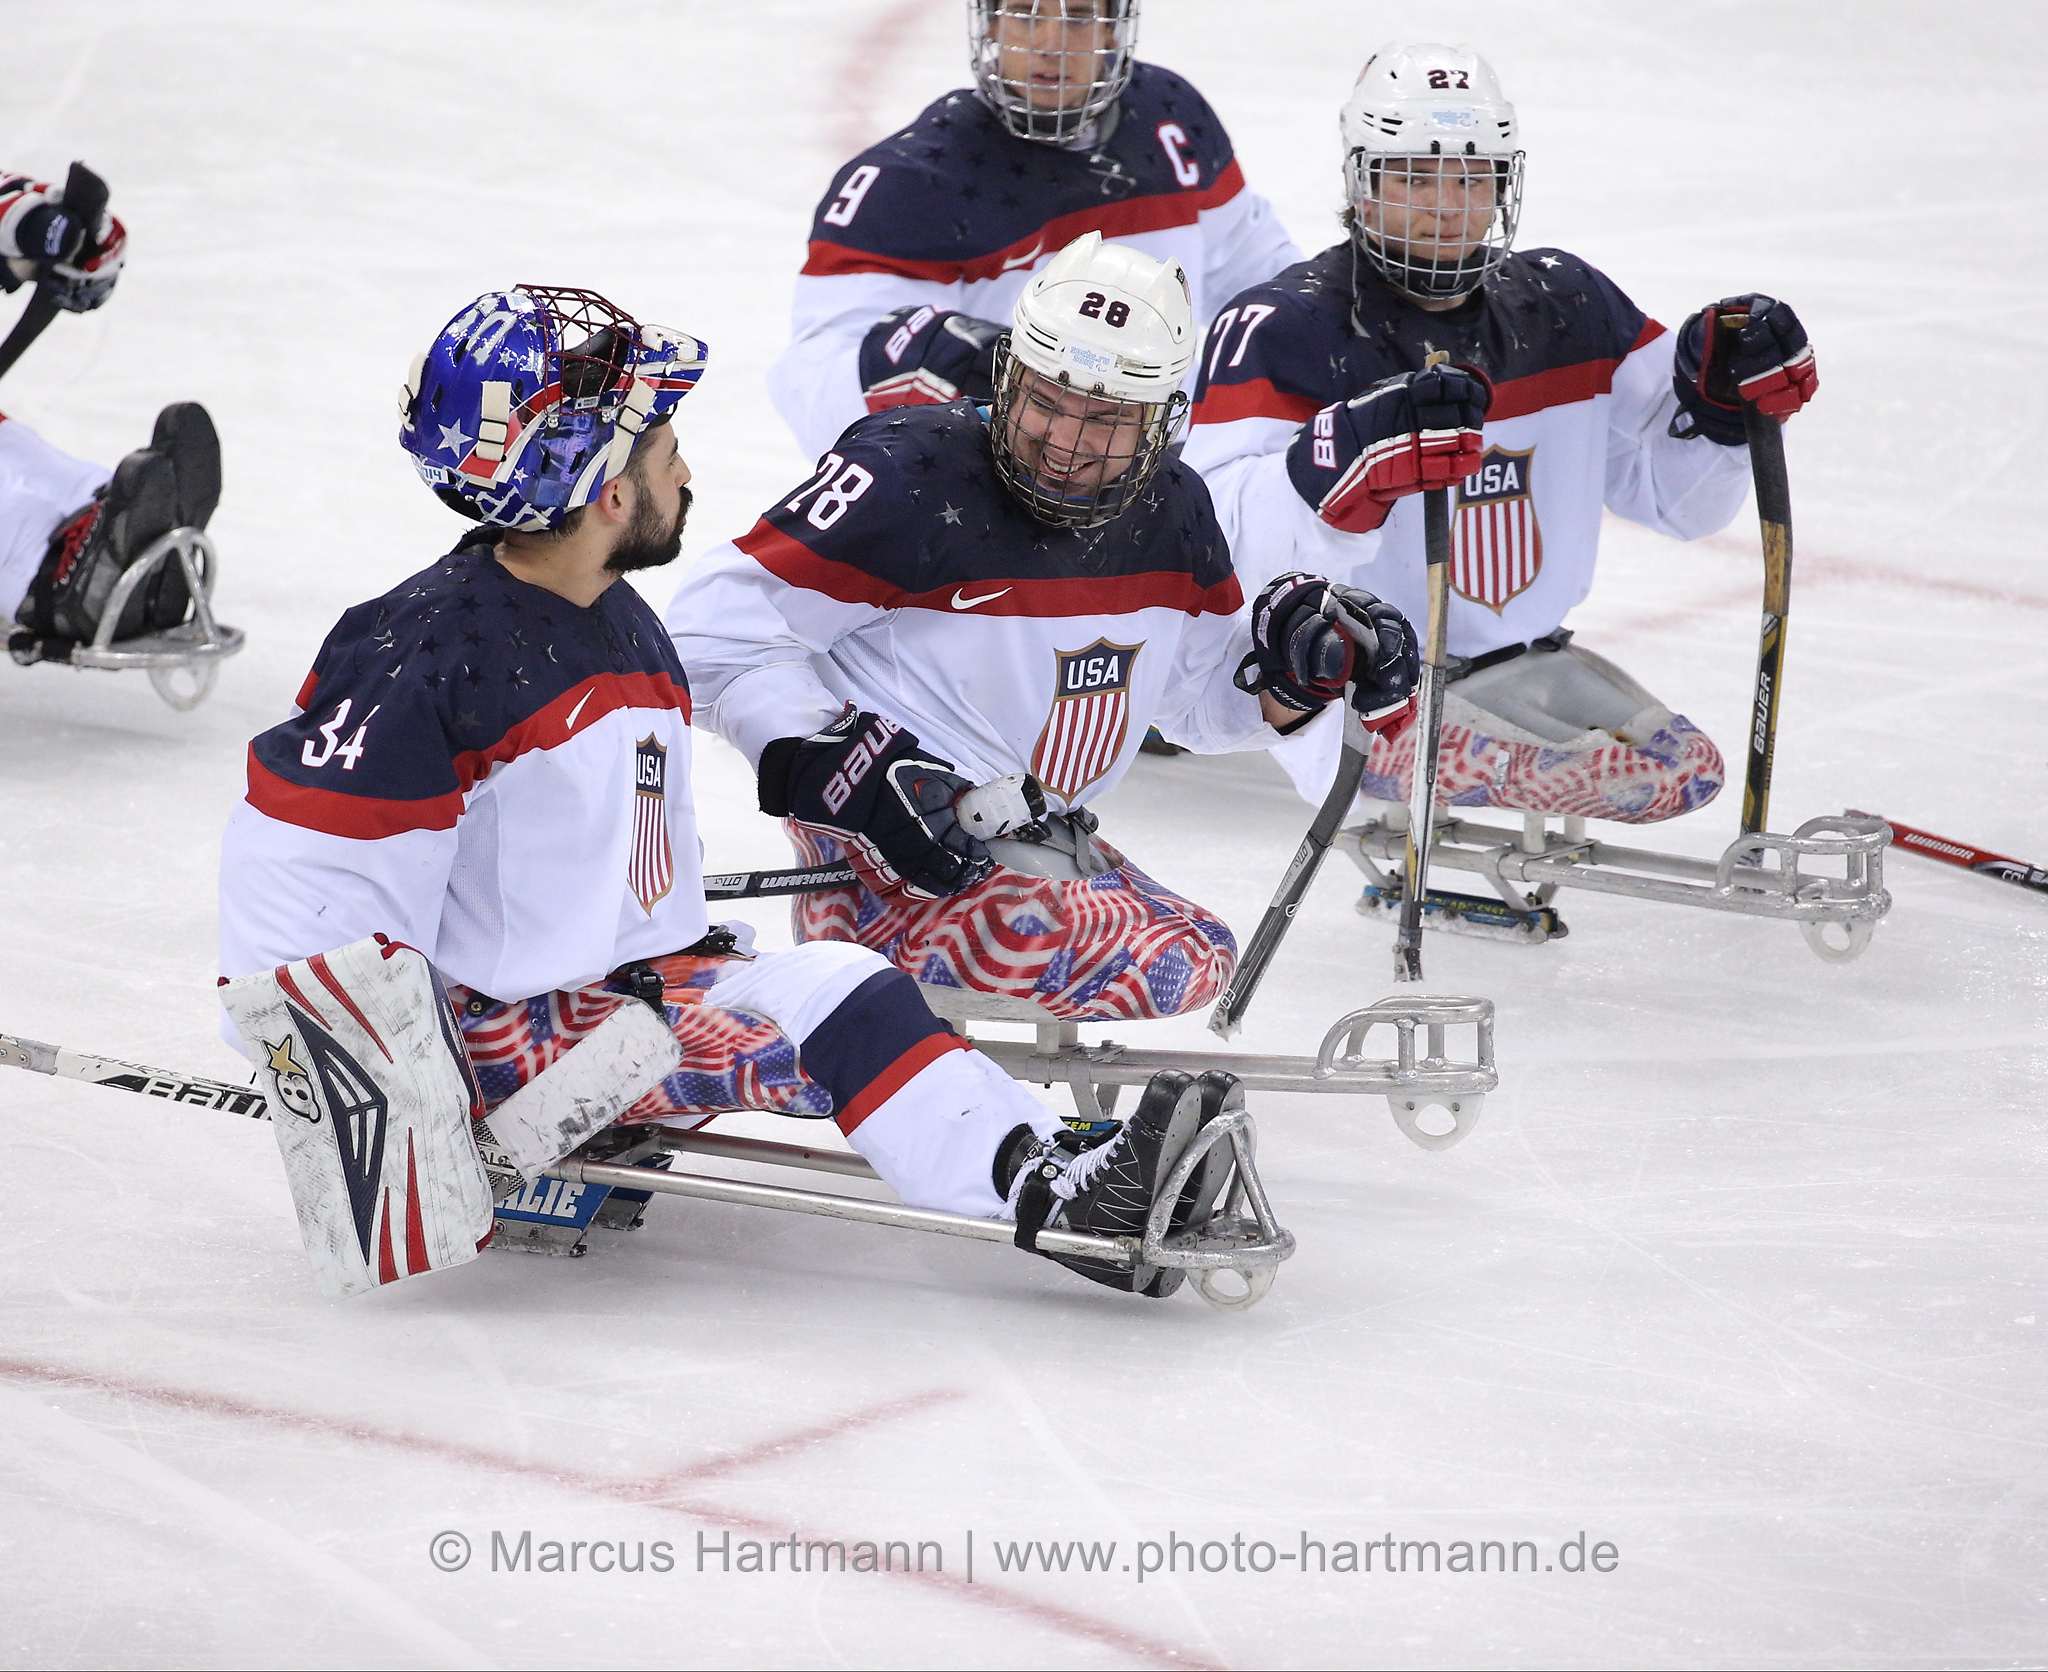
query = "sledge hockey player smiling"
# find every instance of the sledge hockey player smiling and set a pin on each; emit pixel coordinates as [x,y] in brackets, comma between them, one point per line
[491,764]
[1312,383]
[969,594]
[924,241]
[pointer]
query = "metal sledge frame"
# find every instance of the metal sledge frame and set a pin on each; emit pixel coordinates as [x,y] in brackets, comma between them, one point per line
[1411,1080]
[1242,1236]
[1757,875]
[195,648]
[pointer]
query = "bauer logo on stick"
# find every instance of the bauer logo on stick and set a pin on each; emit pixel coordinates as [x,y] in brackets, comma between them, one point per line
[1091,713]
[651,871]
[1497,546]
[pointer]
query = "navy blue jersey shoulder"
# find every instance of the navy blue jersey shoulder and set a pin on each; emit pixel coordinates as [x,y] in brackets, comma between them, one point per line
[934,513]
[1326,330]
[447,663]
[956,185]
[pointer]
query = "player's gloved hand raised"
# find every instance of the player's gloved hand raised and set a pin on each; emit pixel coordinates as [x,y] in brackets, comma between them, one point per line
[1766,362]
[866,781]
[926,356]
[55,248]
[1312,640]
[1419,430]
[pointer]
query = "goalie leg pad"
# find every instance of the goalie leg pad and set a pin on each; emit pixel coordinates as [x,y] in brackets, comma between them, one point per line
[371,1099]
[625,1056]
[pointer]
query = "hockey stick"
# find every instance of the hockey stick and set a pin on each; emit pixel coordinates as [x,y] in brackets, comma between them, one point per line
[1429,734]
[85,195]
[1228,1015]
[39,1058]
[1774,511]
[753,885]
[1960,854]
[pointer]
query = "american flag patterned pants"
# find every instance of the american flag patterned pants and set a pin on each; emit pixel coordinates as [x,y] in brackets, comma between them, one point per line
[1118,946]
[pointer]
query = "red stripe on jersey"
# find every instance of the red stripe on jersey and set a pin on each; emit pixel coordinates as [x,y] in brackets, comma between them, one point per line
[304,700]
[794,564]
[366,818]
[1561,385]
[1113,220]
[896,1076]
[1225,403]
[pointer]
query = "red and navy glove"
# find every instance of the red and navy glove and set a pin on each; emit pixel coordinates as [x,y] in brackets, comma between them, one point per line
[926,356]
[866,781]
[44,241]
[1767,364]
[1313,640]
[1419,430]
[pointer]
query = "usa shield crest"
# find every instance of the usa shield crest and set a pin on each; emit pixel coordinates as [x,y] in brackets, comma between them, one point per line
[651,869]
[1496,544]
[1090,716]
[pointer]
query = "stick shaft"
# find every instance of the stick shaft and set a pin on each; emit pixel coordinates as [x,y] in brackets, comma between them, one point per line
[1301,870]
[753,885]
[1429,731]
[1963,856]
[1774,514]
[39,1058]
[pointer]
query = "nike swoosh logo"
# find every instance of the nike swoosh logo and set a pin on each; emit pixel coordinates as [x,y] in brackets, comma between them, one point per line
[962,602]
[1025,260]
[578,709]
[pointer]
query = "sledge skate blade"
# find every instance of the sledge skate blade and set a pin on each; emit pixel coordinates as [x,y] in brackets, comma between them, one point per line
[1470,914]
[1243,1237]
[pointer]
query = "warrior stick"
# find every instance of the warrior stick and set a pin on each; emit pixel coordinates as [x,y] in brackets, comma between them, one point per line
[1228,1015]
[752,885]
[1929,846]
[1774,512]
[85,196]
[1429,735]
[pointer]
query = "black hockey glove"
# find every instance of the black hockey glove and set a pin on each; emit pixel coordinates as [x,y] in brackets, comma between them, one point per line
[926,356]
[864,780]
[1767,364]
[1311,640]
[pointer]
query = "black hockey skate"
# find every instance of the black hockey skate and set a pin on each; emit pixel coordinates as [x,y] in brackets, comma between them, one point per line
[1108,1187]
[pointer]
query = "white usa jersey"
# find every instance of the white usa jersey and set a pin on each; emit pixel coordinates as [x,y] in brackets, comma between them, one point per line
[906,579]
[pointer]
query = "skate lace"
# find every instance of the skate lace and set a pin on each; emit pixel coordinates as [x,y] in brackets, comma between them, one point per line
[1079,1173]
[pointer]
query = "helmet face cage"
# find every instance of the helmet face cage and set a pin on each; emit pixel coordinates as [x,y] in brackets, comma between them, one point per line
[1469,205]
[1064,469]
[1085,44]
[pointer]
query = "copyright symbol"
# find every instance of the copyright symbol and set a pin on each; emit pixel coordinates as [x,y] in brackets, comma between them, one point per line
[449,1552]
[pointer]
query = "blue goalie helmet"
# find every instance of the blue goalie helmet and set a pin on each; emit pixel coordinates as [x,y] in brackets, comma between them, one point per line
[530,400]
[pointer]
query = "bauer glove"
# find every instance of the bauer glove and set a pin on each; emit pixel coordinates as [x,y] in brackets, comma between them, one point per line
[1313,640]
[867,782]
[926,356]
[1419,430]
[1766,363]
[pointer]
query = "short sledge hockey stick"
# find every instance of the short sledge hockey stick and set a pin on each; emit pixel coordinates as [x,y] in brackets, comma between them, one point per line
[1429,735]
[1228,1015]
[1960,854]
[85,195]
[39,1058]
[1774,512]
[754,885]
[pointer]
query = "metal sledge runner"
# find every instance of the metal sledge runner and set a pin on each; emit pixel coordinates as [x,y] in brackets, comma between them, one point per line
[607,1180]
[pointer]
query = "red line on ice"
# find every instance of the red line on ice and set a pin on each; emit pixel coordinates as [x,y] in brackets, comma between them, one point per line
[660,1492]
[866,62]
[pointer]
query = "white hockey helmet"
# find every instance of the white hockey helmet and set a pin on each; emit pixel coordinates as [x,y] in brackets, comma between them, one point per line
[1415,110]
[1106,322]
[1078,54]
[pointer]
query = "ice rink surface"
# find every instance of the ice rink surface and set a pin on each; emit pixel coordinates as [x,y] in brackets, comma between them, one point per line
[1742,1271]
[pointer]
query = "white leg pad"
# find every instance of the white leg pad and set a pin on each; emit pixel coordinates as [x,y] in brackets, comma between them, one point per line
[610,1069]
[371,1097]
